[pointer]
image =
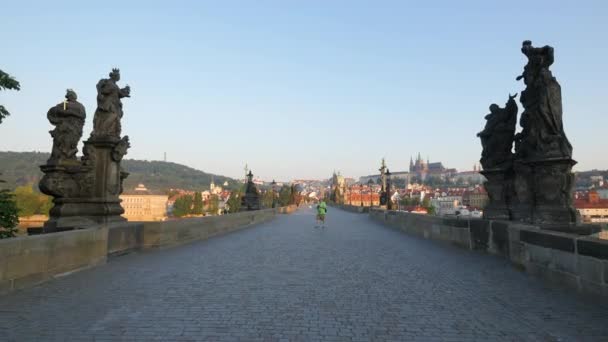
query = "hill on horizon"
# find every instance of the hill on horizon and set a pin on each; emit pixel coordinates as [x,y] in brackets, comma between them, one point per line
[21,168]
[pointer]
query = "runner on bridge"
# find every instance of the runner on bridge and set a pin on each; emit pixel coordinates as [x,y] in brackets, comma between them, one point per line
[321,211]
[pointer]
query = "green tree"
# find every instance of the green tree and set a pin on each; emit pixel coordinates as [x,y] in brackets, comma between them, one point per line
[9,217]
[213,204]
[267,198]
[7,82]
[284,195]
[293,195]
[9,213]
[410,201]
[197,204]
[426,204]
[183,206]
[234,202]
[30,202]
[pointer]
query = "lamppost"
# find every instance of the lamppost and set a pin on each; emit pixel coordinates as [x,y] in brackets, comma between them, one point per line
[370,182]
[361,192]
[274,193]
[388,190]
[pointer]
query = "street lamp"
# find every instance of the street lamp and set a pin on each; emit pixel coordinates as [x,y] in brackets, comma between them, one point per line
[388,190]
[370,182]
[361,192]
[274,193]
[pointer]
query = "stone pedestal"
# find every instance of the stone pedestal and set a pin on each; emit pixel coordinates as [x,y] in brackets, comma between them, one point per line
[86,193]
[499,187]
[522,200]
[250,201]
[553,183]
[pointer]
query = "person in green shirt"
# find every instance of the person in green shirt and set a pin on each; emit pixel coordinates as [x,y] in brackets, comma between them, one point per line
[321,211]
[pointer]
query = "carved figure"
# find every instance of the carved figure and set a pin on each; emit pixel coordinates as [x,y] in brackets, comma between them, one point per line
[106,122]
[68,119]
[497,136]
[251,199]
[120,149]
[542,134]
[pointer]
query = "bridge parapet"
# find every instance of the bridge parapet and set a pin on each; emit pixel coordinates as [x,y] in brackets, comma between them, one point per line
[351,208]
[574,261]
[30,260]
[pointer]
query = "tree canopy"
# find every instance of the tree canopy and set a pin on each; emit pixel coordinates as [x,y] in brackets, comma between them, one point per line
[7,82]
[197,204]
[21,168]
[9,219]
[234,202]
[30,202]
[183,206]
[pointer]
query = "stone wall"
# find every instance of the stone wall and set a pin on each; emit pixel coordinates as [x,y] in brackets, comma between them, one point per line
[30,260]
[351,208]
[574,261]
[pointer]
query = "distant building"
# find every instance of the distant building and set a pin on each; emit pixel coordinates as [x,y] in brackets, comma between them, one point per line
[376,178]
[142,205]
[338,188]
[602,189]
[469,177]
[214,189]
[475,198]
[446,205]
[591,207]
[365,196]
[422,169]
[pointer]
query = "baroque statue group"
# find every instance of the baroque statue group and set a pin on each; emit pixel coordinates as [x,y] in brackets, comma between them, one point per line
[85,191]
[529,174]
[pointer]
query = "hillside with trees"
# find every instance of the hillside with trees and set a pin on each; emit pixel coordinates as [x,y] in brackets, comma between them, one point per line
[22,168]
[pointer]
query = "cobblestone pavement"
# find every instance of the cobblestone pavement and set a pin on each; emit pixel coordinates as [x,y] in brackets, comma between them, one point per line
[287,281]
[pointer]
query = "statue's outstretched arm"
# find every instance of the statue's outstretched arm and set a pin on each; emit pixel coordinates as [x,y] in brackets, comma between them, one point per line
[125,92]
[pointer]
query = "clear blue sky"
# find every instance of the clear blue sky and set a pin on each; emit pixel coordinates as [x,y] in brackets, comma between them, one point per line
[297,89]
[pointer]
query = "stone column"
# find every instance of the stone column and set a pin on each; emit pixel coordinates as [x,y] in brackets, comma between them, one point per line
[106,155]
[65,183]
[498,184]
[553,183]
[87,193]
[522,192]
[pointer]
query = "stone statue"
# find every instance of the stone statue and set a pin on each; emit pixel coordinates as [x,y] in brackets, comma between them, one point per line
[542,134]
[86,191]
[251,199]
[68,118]
[106,122]
[535,183]
[497,136]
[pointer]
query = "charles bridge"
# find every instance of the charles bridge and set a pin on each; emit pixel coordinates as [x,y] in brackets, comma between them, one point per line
[527,271]
[283,280]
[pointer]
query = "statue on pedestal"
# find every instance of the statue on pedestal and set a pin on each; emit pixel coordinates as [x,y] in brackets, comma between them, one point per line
[542,134]
[251,198]
[535,183]
[497,135]
[86,192]
[68,118]
[383,193]
[106,122]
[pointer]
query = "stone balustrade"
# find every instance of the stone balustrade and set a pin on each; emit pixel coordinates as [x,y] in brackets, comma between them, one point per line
[30,260]
[565,259]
